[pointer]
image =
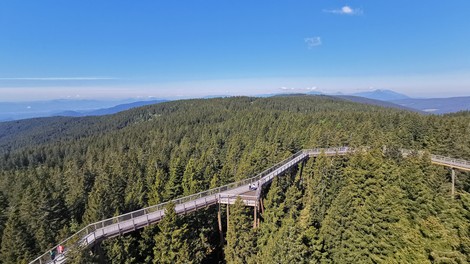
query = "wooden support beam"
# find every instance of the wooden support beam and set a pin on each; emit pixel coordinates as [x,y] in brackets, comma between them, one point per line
[302,168]
[453,183]
[255,221]
[261,206]
[219,219]
[228,214]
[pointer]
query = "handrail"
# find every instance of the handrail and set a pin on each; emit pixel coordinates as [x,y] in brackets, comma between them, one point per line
[440,158]
[450,160]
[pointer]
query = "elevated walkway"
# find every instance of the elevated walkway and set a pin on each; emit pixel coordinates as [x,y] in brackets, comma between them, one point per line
[226,194]
[451,162]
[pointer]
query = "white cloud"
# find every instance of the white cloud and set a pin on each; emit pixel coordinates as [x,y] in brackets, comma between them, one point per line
[308,88]
[58,78]
[345,10]
[313,42]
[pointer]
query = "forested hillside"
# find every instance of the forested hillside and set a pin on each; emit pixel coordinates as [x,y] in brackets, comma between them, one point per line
[60,174]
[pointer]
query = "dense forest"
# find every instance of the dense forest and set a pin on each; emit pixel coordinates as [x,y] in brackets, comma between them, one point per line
[60,174]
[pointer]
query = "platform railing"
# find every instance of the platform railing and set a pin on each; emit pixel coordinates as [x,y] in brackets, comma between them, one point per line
[450,161]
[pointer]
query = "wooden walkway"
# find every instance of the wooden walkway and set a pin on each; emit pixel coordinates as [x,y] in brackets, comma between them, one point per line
[227,194]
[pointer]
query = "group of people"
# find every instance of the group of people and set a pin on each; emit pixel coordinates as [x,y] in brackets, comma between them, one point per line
[60,250]
[253,186]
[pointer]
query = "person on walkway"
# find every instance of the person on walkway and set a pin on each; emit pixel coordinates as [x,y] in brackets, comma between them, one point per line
[52,253]
[60,249]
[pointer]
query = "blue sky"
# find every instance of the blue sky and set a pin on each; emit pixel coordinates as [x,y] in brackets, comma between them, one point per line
[118,49]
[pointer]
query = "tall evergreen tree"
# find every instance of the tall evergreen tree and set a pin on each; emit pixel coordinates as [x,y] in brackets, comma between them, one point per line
[17,244]
[170,243]
[241,247]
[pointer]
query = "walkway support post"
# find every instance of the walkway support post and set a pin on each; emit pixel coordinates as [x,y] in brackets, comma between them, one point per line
[228,213]
[255,216]
[302,168]
[219,219]
[453,182]
[262,206]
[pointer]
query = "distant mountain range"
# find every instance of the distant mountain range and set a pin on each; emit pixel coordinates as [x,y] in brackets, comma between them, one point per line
[436,105]
[364,100]
[382,95]
[63,107]
[111,110]
[389,98]
[78,108]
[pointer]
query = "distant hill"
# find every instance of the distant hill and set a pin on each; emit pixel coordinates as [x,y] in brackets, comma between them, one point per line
[436,105]
[364,100]
[111,110]
[393,99]
[65,107]
[383,95]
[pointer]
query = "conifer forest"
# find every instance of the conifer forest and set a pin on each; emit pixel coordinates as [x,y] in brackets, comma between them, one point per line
[60,174]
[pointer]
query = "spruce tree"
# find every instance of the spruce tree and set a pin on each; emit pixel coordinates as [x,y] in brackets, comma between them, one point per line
[170,242]
[241,245]
[17,244]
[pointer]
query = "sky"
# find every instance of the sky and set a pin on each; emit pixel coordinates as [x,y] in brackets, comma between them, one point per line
[177,49]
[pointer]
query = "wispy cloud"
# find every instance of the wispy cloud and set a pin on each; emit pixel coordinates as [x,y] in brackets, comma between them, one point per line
[345,10]
[287,88]
[57,78]
[313,42]
[308,88]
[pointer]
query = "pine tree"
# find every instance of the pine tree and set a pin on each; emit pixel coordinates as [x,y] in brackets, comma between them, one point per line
[3,214]
[241,245]
[170,243]
[17,244]
[173,187]
[192,180]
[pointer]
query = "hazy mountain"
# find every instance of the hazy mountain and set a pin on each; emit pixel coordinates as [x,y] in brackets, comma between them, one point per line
[428,105]
[216,96]
[437,105]
[383,95]
[111,110]
[64,107]
[364,100]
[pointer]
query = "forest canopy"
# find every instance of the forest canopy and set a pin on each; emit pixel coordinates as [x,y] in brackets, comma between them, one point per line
[60,174]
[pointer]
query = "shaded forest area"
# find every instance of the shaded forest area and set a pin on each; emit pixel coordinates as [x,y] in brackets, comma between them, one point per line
[59,174]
